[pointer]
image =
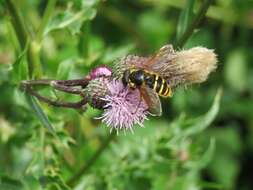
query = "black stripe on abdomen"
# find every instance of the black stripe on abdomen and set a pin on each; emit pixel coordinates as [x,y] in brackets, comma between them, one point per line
[159,84]
[150,80]
[165,86]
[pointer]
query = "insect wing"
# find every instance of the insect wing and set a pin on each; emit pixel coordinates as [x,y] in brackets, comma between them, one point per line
[152,63]
[166,63]
[126,63]
[163,55]
[152,99]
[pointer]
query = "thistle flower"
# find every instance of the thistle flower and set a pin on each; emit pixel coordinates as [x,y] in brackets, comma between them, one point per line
[123,107]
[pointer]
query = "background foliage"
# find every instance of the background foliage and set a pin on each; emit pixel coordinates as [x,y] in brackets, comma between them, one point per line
[192,146]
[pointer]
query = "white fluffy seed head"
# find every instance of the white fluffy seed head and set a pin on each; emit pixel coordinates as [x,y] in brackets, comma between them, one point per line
[195,64]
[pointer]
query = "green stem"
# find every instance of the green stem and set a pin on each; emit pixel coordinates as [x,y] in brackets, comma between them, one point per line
[74,179]
[18,23]
[42,144]
[197,19]
[33,56]
[48,12]
[35,46]
[24,38]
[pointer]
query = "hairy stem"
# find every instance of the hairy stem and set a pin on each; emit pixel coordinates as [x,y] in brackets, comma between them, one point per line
[197,19]
[84,168]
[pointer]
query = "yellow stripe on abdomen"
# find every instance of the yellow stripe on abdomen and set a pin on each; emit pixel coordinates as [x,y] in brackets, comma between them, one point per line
[168,92]
[162,86]
[155,83]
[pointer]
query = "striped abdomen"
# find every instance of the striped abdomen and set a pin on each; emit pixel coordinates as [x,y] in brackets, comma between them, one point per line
[157,83]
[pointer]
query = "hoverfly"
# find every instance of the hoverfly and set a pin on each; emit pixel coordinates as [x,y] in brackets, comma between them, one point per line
[159,74]
[136,78]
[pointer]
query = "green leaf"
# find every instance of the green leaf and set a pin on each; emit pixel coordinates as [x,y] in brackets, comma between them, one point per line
[83,44]
[230,146]
[203,122]
[156,27]
[56,181]
[211,185]
[19,68]
[71,20]
[31,182]
[7,183]
[236,70]
[40,113]
[205,159]
[185,18]
[64,69]
[113,53]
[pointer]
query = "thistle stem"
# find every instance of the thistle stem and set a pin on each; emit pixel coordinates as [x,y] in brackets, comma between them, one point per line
[23,38]
[18,23]
[74,105]
[84,168]
[48,12]
[197,19]
[61,85]
[75,82]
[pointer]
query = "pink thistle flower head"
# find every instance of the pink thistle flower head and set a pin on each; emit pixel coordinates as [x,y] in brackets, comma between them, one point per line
[123,107]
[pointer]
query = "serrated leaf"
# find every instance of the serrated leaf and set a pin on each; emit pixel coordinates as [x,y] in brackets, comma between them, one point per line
[205,159]
[203,122]
[40,113]
[185,18]
[71,20]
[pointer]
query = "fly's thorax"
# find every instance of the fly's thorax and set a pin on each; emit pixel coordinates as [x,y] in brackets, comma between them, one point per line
[136,77]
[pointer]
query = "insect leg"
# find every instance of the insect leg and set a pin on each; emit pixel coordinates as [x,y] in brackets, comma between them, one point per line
[138,104]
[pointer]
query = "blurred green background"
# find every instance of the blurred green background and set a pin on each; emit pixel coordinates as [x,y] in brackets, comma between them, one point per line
[200,142]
